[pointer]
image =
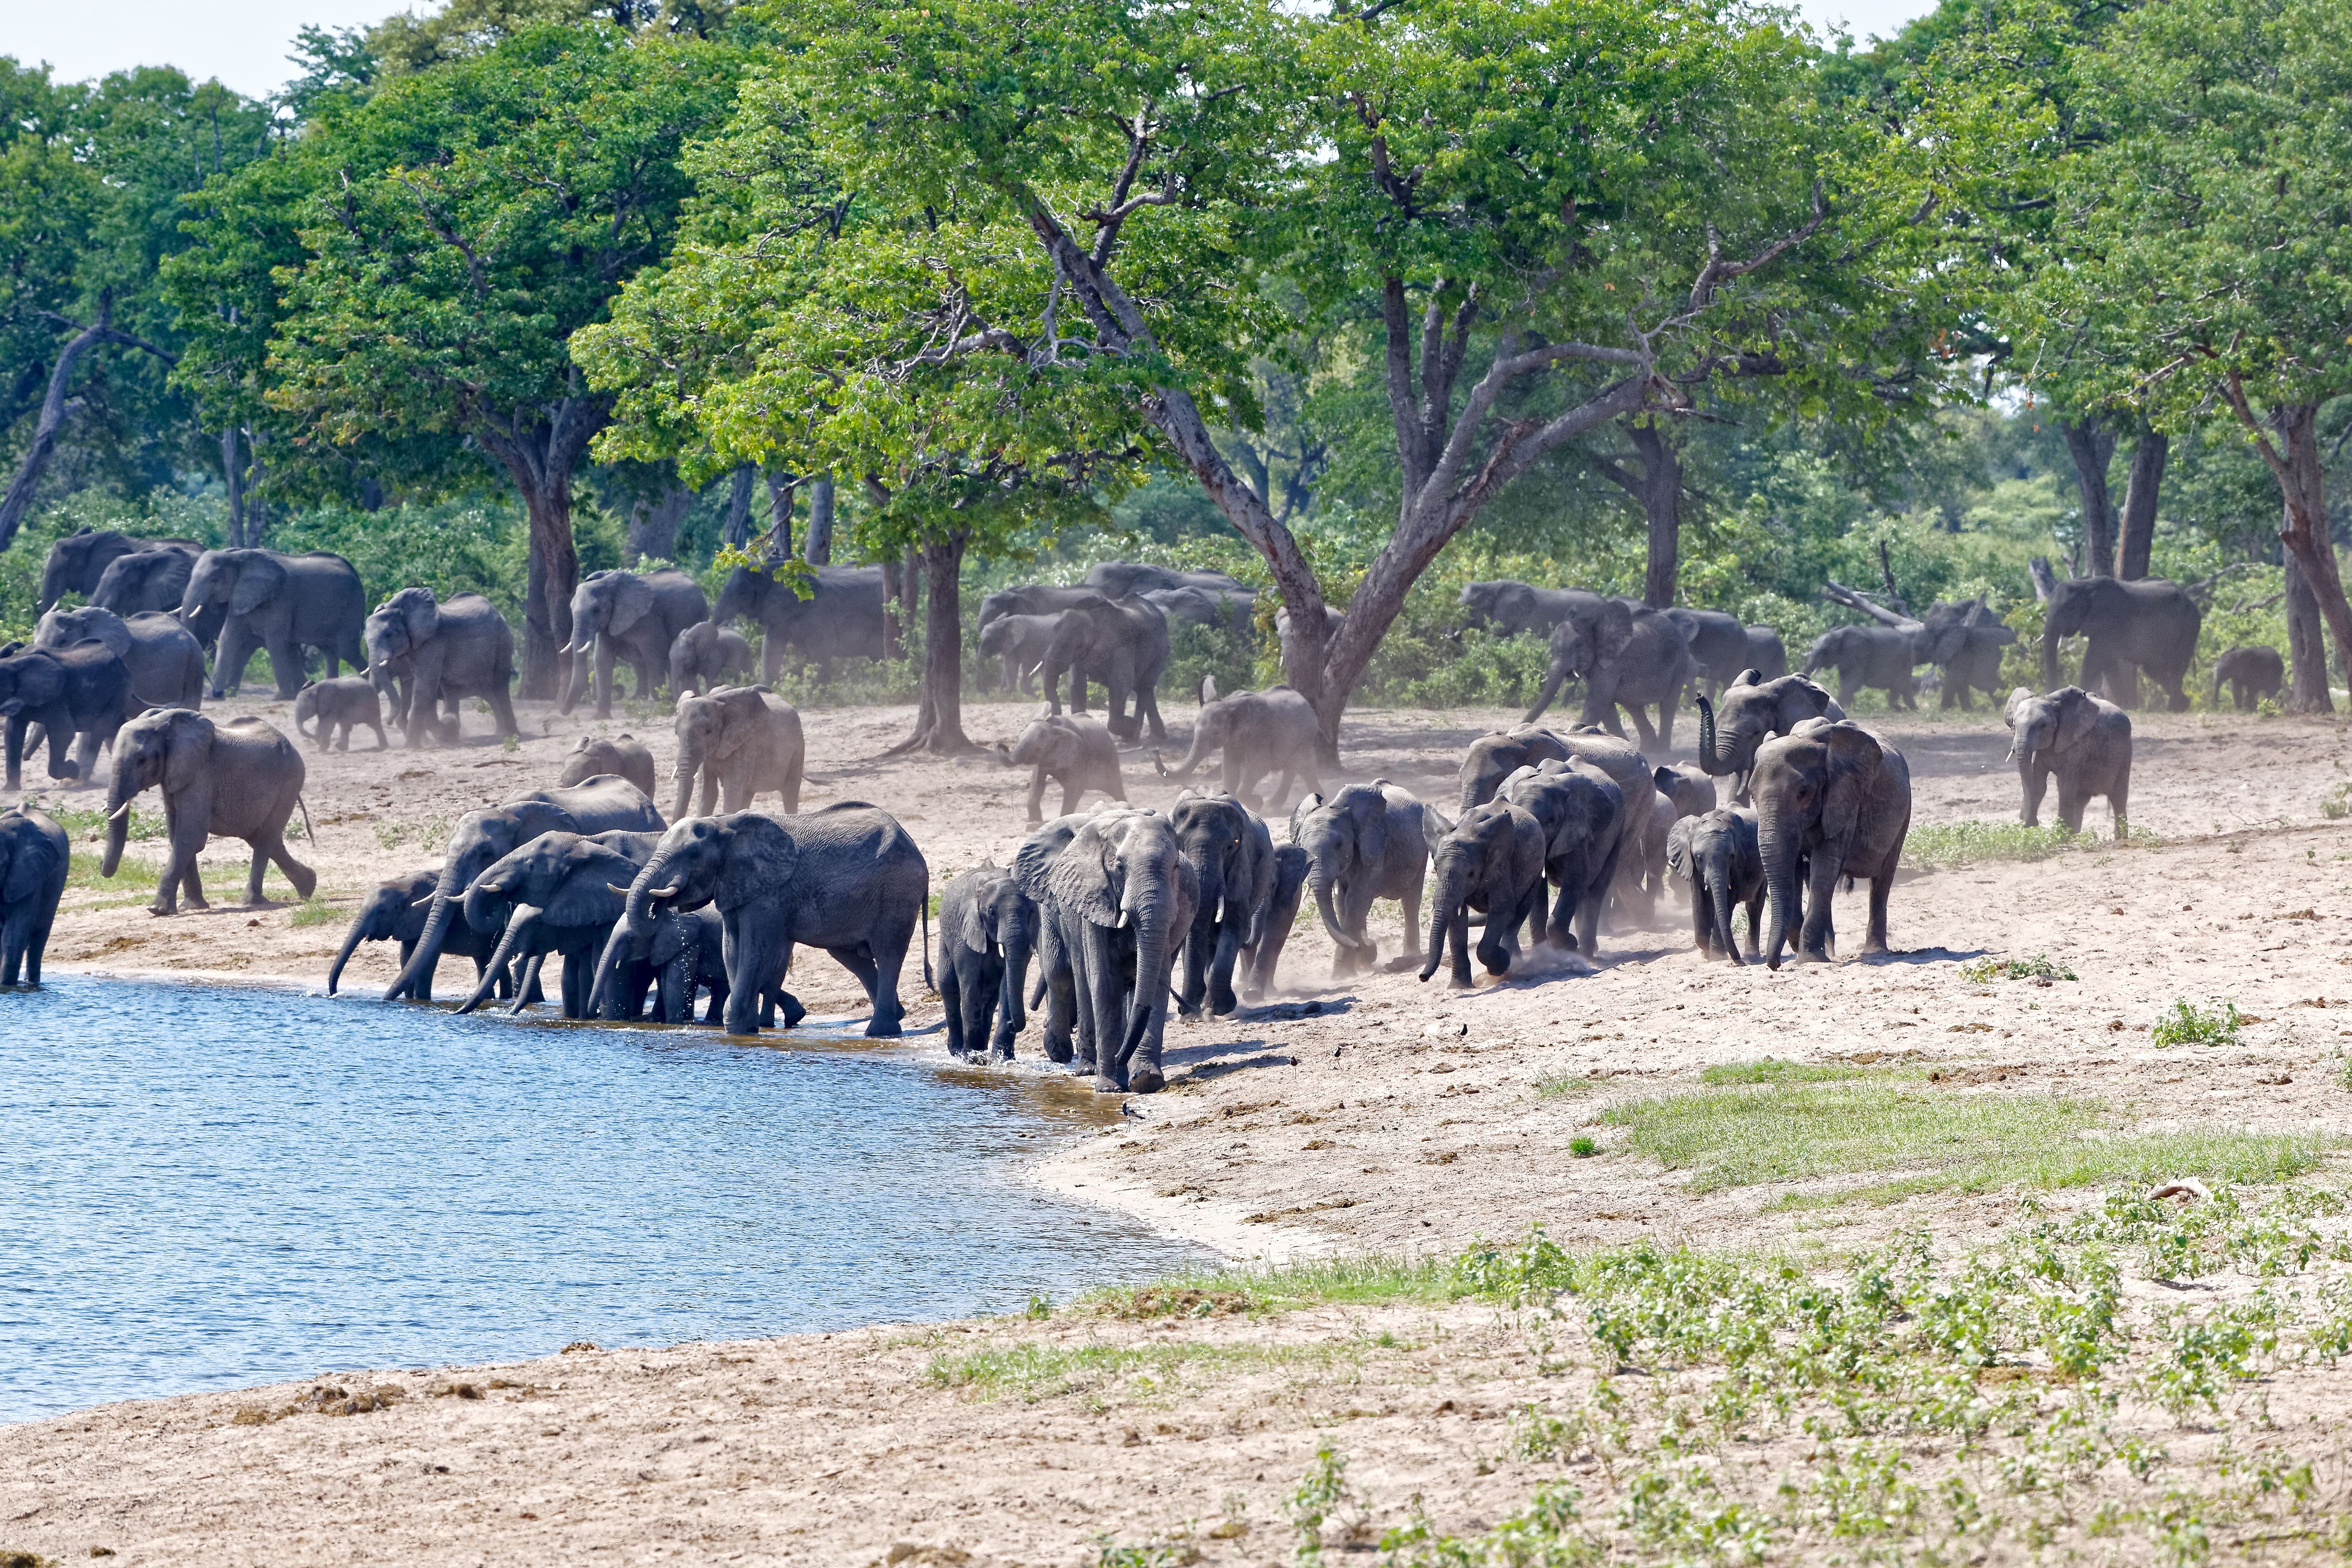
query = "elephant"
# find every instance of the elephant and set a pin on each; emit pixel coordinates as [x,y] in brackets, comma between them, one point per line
[1866,657]
[847,879]
[1766,655]
[1716,853]
[1021,642]
[744,741]
[707,654]
[1493,859]
[1753,712]
[841,617]
[163,659]
[623,754]
[987,933]
[1627,654]
[677,955]
[1219,609]
[1118,579]
[1582,815]
[1120,644]
[1056,988]
[2149,627]
[1122,898]
[345,704]
[1031,599]
[1274,731]
[79,695]
[396,911]
[34,857]
[78,563]
[428,655]
[1078,754]
[1691,788]
[2087,741]
[601,804]
[1264,954]
[1365,842]
[1231,855]
[1492,758]
[2252,672]
[283,603]
[561,893]
[1839,798]
[1717,642]
[629,616]
[235,779]
[152,582]
[1964,640]
[1507,609]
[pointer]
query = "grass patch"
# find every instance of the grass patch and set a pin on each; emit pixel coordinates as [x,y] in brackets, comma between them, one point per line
[2188,1026]
[315,912]
[1941,846]
[82,871]
[1032,1371]
[1773,1069]
[1362,1280]
[2038,967]
[1557,1085]
[88,824]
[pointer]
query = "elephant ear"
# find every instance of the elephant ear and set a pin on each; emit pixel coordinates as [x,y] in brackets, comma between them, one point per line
[759,860]
[972,924]
[1806,699]
[187,750]
[1678,848]
[632,599]
[744,712]
[1371,815]
[1086,877]
[1306,807]
[2078,715]
[259,580]
[1613,631]
[585,897]
[2012,710]
[1854,758]
[1434,830]
[422,614]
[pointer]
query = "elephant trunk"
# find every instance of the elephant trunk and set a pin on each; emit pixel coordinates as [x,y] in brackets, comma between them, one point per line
[517,927]
[575,677]
[1551,689]
[1194,755]
[421,963]
[1320,881]
[1012,1016]
[1147,1009]
[624,944]
[1778,841]
[1715,766]
[1714,873]
[483,906]
[360,931]
[1453,874]
[119,796]
[642,910]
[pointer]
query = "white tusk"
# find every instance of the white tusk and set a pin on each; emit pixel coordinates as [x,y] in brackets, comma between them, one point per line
[119,813]
[670,892]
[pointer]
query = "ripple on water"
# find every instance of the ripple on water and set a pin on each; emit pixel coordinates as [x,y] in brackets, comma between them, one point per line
[209,1186]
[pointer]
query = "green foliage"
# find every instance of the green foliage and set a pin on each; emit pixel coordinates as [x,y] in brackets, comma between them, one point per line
[1984,970]
[1943,846]
[2191,1026]
[1773,1069]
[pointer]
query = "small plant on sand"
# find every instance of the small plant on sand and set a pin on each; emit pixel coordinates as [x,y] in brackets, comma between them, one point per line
[314,912]
[1322,1492]
[2338,802]
[1152,1554]
[2190,1026]
[2038,967]
[1583,1148]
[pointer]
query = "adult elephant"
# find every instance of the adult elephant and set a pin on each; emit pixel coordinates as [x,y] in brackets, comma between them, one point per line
[1837,798]
[1125,899]
[78,563]
[561,893]
[599,805]
[1717,642]
[1366,842]
[396,911]
[1627,654]
[236,779]
[1121,644]
[162,657]
[848,880]
[1020,642]
[1231,855]
[424,655]
[1493,861]
[1867,657]
[2087,741]
[707,654]
[2144,628]
[155,579]
[840,618]
[1754,711]
[1583,814]
[1031,599]
[1118,579]
[1492,758]
[77,695]
[744,742]
[1768,656]
[1964,640]
[1506,608]
[1219,609]
[1260,732]
[281,604]
[987,931]
[34,857]
[630,617]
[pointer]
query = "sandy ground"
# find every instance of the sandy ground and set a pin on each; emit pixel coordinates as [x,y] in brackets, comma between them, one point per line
[1394,1117]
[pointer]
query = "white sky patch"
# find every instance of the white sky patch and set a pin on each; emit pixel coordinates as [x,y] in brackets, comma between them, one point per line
[243,42]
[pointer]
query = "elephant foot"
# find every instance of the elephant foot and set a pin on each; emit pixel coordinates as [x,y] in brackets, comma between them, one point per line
[1147,1080]
[793,1010]
[883,1029]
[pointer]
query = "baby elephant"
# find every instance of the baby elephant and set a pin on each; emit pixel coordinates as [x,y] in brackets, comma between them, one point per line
[623,755]
[2087,741]
[1021,642]
[1716,853]
[705,655]
[344,703]
[1076,753]
[2252,672]
[396,911]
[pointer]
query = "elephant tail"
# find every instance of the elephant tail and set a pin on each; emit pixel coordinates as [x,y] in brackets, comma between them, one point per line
[929,984]
[305,809]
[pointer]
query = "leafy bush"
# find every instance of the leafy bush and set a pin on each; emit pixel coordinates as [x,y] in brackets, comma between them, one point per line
[2190,1026]
[2038,967]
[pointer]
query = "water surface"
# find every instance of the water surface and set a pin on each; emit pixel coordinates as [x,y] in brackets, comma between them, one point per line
[208,1186]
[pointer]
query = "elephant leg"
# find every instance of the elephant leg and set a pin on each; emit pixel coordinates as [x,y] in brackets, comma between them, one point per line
[180,870]
[1457,940]
[1815,939]
[1222,1000]
[305,881]
[1147,711]
[1755,922]
[1108,1001]
[749,974]
[1061,1018]
[16,751]
[527,989]
[886,952]
[1037,796]
[951,999]
[2071,802]
[285,665]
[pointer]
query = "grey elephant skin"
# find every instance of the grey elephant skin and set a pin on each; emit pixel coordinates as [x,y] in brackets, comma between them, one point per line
[164,661]
[848,880]
[1332,621]
[1230,853]
[1753,712]
[562,892]
[235,779]
[987,933]
[1020,642]
[1506,608]
[282,605]
[338,707]
[1224,610]
[1262,956]
[33,857]
[2087,741]
[1120,644]
[623,754]
[429,655]
[1079,755]
[707,654]
[743,741]
[1056,988]
[1031,599]
[679,956]
[1582,815]
[1868,656]
[1964,640]
[77,695]
[2145,627]
[842,618]
[628,616]
[1717,642]
[1837,798]
[2251,672]
[1492,759]
[1629,656]
[1690,787]
[78,562]
[1768,656]
[1121,900]
[152,582]
[1717,854]
[1259,732]
[396,911]
[598,805]
[1116,579]
[1491,860]
[1363,843]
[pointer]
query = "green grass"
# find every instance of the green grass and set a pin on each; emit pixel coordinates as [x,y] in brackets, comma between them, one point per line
[1773,1069]
[88,824]
[1941,846]
[1553,1085]
[2038,967]
[82,871]
[1034,1371]
[315,912]
[2188,1025]
[1360,1280]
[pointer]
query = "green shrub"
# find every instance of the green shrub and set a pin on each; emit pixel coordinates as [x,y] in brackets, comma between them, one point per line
[2190,1026]
[2039,967]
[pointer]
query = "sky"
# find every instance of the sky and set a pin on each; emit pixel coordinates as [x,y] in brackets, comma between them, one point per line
[244,42]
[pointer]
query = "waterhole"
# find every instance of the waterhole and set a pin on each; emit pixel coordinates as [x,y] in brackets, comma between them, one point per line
[207,1187]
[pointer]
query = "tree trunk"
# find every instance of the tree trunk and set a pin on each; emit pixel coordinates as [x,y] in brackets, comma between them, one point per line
[2303,481]
[1661,495]
[2306,644]
[737,529]
[820,521]
[257,500]
[653,524]
[55,407]
[2093,446]
[554,574]
[2140,502]
[891,605]
[938,713]
[233,481]
[780,517]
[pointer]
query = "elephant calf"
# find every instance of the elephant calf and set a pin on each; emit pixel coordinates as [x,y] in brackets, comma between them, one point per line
[33,859]
[1581,814]
[1021,641]
[238,779]
[1264,952]
[2087,741]
[339,706]
[708,655]
[676,954]
[1079,755]
[2251,672]
[1365,843]
[1493,861]
[1270,732]
[396,911]
[624,756]
[987,931]
[1716,853]
[166,662]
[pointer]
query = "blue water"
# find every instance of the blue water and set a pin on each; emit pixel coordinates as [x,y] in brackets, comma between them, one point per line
[206,1186]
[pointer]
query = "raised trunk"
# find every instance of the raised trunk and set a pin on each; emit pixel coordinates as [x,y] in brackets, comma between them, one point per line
[1713,765]
[2091,445]
[2148,457]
